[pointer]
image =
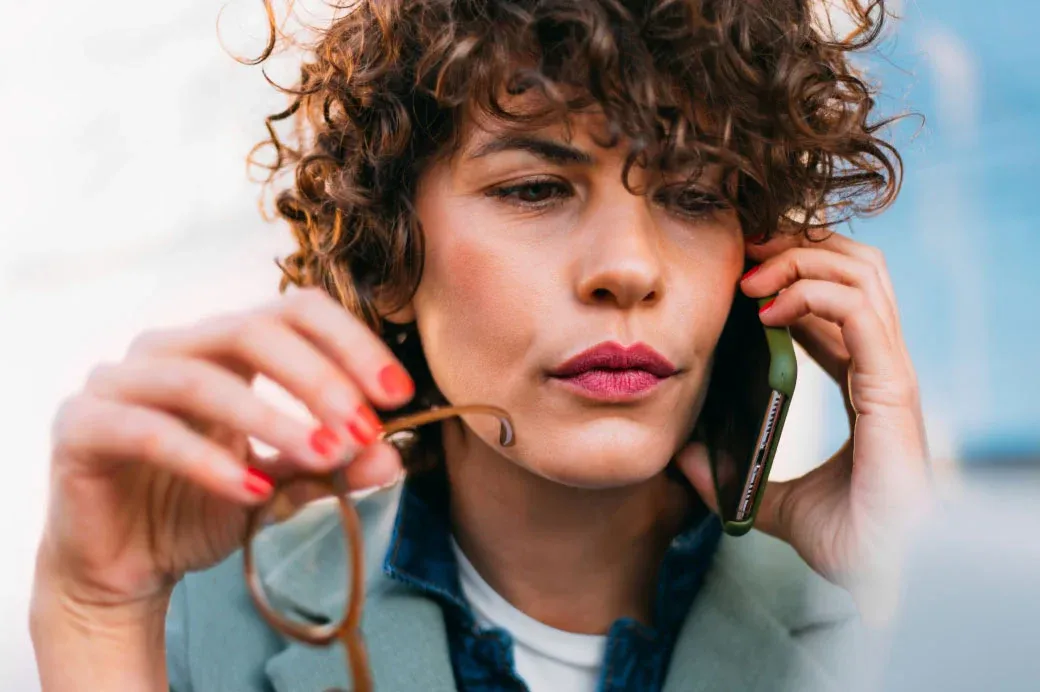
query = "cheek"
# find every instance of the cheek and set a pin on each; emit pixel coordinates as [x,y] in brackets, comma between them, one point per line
[474,316]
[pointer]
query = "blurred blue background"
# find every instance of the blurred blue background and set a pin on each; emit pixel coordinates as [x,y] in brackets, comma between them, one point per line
[962,240]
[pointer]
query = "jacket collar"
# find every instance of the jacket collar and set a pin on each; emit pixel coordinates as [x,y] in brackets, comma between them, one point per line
[408,646]
[737,634]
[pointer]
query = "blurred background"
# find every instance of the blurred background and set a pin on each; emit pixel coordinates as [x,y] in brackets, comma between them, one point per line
[127,206]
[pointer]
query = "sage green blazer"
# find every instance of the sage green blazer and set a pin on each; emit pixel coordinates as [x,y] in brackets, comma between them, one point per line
[762,621]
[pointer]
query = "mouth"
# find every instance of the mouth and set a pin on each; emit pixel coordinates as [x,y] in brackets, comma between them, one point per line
[612,372]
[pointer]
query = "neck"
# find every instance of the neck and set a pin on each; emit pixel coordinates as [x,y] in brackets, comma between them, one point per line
[573,558]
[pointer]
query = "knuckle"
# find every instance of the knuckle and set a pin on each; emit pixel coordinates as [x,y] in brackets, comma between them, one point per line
[153,442]
[99,376]
[875,256]
[903,391]
[186,383]
[71,415]
[802,295]
[860,300]
[244,333]
[872,280]
[270,420]
[148,341]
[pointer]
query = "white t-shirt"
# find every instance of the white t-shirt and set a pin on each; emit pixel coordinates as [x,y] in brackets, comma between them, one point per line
[548,659]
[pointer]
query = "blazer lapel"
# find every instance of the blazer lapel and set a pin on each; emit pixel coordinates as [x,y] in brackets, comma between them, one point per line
[304,568]
[407,646]
[732,641]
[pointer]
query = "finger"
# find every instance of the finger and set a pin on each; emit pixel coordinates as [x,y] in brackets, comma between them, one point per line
[818,263]
[823,342]
[270,346]
[351,344]
[838,243]
[89,427]
[376,466]
[862,330]
[695,462]
[203,391]
[845,245]
[760,251]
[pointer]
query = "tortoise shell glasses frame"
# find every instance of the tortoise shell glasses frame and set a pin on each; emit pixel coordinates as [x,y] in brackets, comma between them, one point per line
[347,630]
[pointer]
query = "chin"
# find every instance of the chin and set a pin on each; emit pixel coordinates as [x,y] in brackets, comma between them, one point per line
[606,462]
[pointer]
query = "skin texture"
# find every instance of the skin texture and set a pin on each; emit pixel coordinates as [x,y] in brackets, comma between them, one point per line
[150,460]
[512,289]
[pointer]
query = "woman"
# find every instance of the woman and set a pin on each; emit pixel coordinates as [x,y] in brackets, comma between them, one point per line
[548,207]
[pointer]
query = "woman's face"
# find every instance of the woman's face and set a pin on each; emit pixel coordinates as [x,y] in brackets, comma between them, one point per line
[537,253]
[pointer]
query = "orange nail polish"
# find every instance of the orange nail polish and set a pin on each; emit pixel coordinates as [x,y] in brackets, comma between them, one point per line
[395,381]
[366,427]
[324,441]
[258,483]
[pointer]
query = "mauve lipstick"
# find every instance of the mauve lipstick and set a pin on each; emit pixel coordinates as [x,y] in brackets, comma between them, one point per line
[612,372]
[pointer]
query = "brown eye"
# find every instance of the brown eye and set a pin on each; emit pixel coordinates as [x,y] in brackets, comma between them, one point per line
[531,193]
[692,202]
[535,192]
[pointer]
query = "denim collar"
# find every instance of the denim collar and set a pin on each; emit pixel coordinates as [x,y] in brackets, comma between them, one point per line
[420,555]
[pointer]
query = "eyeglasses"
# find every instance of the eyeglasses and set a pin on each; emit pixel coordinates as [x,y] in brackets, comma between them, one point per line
[347,629]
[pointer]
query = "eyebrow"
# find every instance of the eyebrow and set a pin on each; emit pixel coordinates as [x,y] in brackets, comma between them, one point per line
[547,149]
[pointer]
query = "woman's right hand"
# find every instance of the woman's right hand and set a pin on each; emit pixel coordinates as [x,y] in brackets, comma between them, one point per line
[152,472]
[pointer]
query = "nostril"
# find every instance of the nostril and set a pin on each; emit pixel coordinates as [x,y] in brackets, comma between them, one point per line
[601,294]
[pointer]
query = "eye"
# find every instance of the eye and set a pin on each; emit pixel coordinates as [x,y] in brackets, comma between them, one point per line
[692,202]
[539,192]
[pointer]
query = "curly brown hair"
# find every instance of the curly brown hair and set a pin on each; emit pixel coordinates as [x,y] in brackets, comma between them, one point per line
[752,86]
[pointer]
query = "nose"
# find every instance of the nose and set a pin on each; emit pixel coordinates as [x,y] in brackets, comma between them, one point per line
[621,260]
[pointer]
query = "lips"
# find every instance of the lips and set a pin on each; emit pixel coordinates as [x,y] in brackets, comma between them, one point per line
[613,371]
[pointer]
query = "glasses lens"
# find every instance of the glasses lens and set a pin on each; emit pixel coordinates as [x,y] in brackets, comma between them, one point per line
[302,558]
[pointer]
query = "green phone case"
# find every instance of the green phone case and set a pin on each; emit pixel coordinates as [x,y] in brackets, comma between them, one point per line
[783,373]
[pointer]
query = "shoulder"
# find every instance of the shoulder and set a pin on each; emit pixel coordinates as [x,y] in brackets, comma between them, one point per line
[770,572]
[303,564]
[764,620]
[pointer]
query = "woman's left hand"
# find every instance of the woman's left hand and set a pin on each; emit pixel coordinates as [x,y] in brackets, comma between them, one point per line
[845,518]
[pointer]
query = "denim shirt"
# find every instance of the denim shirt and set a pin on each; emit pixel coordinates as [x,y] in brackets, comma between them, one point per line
[637,656]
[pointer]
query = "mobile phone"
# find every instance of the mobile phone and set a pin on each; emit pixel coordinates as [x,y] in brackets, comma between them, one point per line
[740,473]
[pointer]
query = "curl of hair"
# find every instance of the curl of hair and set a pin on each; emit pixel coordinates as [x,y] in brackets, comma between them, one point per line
[754,86]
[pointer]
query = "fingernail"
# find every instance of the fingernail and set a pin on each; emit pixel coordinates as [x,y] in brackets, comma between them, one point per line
[324,441]
[365,427]
[258,483]
[395,381]
[762,310]
[750,272]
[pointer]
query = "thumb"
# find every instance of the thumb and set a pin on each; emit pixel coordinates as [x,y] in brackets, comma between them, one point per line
[695,463]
